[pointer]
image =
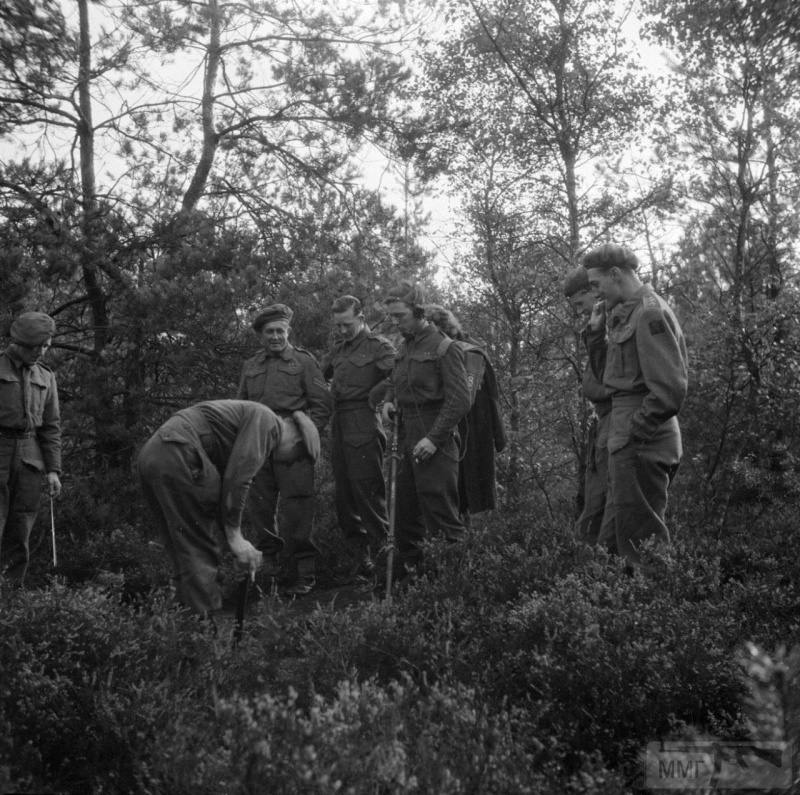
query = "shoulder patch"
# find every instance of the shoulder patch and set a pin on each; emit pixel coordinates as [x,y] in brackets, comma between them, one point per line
[657,327]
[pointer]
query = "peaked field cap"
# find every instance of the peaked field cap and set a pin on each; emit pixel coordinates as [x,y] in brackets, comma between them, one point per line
[32,328]
[407,293]
[611,255]
[272,313]
[577,281]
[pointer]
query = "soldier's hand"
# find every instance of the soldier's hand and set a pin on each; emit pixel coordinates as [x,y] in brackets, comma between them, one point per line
[246,554]
[598,317]
[53,484]
[423,450]
[388,412]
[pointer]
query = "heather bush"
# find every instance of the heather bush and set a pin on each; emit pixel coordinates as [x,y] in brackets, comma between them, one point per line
[403,738]
[88,682]
[519,661]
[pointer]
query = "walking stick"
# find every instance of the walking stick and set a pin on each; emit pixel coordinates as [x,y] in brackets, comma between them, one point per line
[53,532]
[393,456]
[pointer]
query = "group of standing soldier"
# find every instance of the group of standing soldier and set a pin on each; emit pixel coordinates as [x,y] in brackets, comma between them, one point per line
[288,398]
[214,462]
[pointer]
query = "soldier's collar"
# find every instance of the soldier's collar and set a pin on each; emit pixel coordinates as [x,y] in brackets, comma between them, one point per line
[15,360]
[624,310]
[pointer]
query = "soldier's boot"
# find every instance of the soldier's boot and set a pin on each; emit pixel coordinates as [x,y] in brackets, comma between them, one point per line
[306,578]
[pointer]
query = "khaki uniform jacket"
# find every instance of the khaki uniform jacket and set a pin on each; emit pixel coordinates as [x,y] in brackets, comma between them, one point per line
[238,438]
[426,382]
[592,385]
[286,383]
[356,366]
[32,405]
[646,361]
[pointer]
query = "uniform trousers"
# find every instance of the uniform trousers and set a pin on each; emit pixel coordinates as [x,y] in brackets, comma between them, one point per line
[182,487]
[596,525]
[292,484]
[21,471]
[640,473]
[357,459]
[427,491]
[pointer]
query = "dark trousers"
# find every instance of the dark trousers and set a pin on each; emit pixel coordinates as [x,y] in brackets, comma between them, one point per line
[293,485]
[596,525]
[21,471]
[357,460]
[640,479]
[427,494]
[182,488]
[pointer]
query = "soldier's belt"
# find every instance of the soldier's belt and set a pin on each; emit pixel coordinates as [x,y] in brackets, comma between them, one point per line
[15,433]
[421,408]
[350,405]
[634,399]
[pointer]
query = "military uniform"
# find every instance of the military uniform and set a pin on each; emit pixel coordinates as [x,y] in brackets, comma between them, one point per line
[595,525]
[30,446]
[429,387]
[358,442]
[646,372]
[288,382]
[195,472]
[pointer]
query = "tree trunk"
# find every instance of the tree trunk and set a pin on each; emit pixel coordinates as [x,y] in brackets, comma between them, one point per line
[210,138]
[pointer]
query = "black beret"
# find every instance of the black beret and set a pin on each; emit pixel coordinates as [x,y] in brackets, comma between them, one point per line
[609,256]
[33,328]
[577,281]
[270,314]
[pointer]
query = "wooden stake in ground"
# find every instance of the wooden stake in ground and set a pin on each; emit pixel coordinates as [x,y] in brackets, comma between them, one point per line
[390,540]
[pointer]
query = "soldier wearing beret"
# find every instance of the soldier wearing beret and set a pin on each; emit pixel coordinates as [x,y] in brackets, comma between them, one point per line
[196,472]
[357,362]
[646,371]
[287,379]
[430,389]
[30,437]
[595,525]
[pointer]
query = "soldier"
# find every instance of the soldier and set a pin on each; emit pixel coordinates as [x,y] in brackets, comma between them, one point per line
[481,431]
[429,388]
[30,437]
[196,472]
[358,362]
[646,372]
[287,379]
[595,525]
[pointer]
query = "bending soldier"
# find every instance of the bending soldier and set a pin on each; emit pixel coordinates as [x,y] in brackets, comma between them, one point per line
[30,437]
[358,362]
[646,372]
[286,379]
[429,388]
[595,525]
[196,471]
